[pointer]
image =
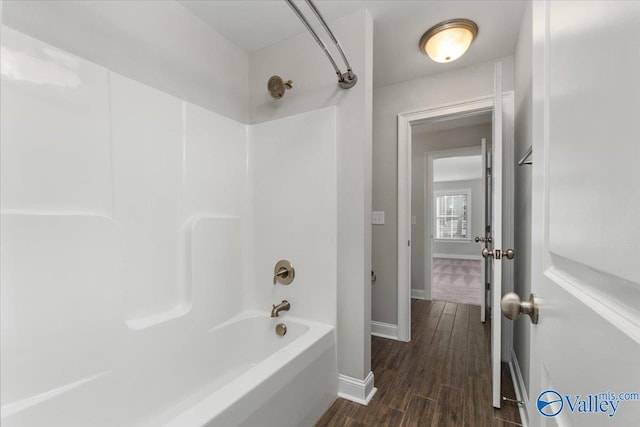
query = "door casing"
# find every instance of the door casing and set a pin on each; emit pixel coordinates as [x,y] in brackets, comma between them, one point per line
[450,111]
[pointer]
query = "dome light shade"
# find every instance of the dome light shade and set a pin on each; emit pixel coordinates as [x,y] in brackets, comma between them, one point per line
[448,40]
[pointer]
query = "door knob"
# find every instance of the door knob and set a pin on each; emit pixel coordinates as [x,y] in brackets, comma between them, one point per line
[509,253]
[498,254]
[512,306]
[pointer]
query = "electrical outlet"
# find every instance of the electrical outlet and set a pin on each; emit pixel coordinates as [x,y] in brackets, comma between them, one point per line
[377,217]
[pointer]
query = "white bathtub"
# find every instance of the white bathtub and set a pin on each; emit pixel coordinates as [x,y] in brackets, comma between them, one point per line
[237,374]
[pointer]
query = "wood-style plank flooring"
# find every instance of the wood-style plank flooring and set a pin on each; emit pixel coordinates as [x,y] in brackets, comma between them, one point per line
[441,378]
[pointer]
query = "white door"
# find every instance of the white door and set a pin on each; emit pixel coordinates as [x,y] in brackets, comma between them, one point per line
[494,254]
[586,214]
[482,236]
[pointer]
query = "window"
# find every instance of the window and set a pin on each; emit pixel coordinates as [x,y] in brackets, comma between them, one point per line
[452,214]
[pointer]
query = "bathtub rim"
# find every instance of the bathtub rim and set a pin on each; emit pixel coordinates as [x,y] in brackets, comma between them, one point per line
[214,404]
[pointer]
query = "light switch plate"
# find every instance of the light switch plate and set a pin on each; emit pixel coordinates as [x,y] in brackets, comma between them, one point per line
[413,220]
[377,217]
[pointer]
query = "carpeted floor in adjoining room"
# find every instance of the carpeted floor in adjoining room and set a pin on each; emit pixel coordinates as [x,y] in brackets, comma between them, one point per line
[456,280]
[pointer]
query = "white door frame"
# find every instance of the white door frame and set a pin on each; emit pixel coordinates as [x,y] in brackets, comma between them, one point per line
[446,112]
[429,157]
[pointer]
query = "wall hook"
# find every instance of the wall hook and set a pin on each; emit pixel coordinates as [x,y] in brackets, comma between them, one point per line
[527,160]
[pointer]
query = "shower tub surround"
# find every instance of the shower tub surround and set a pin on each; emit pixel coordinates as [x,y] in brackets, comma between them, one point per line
[139,234]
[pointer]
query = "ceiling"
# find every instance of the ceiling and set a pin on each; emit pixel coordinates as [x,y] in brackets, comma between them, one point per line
[398,26]
[457,168]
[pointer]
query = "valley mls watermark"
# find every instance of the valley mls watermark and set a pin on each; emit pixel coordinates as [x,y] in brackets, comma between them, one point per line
[550,402]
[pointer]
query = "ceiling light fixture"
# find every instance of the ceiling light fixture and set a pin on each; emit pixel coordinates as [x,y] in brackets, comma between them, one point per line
[448,40]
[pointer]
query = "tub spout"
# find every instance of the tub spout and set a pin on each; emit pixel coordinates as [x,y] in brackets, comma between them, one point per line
[283,306]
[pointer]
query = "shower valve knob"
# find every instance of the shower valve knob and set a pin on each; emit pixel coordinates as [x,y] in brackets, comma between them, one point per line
[283,273]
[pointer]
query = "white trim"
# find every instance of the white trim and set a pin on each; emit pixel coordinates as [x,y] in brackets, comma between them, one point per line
[417,294]
[456,256]
[521,390]
[384,330]
[404,227]
[355,390]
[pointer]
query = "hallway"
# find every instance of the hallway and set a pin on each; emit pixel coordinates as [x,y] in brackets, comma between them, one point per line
[440,378]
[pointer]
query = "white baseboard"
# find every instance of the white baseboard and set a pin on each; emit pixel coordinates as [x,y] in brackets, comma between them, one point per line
[456,256]
[384,330]
[521,390]
[418,294]
[355,390]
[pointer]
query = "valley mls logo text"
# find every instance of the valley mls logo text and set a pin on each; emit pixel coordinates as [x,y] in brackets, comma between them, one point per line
[550,403]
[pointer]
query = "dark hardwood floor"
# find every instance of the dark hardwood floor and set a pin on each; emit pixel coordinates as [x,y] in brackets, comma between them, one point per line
[441,378]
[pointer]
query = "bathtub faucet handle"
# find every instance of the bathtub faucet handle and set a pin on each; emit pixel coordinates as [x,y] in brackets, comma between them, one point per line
[283,272]
[283,306]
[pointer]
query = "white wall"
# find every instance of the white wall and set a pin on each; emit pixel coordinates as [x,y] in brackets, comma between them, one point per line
[314,86]
[457,168]
[432,91]
[293,175]
[159,43]
[523,185]
[121,217]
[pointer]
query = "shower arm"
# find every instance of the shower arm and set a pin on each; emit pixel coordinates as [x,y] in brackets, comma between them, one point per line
[346,80]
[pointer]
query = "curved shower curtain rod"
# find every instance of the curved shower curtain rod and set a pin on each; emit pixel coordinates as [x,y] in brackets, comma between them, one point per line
[346,80]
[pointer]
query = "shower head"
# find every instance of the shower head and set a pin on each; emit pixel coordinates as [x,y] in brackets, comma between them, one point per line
[276,86]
